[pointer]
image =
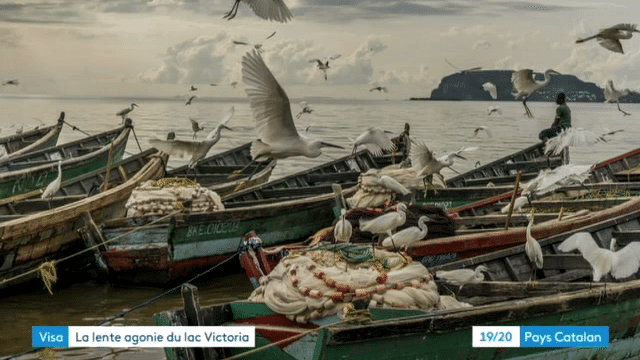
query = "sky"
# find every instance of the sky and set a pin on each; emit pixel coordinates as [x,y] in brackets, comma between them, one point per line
[162,47]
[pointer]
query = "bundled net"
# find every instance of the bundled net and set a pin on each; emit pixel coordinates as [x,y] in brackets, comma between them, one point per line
[168,195]
[323,280]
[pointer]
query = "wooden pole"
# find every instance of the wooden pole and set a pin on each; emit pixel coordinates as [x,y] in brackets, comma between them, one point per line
[105,184]
[513,200]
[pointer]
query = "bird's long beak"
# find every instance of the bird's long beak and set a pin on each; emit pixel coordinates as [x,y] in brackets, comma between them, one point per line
[460,156]
[226,127]
[555,72]
[331,145]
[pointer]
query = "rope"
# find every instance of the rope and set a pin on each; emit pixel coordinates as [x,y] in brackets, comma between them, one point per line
[48,274]
[136,137]
[176,182]
[76,128]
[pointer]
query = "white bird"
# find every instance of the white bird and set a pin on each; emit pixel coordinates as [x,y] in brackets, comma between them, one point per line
[267,9]
[550,179]
[324,65]
[463,276]
[54,186]
[532,248]
[494,109]
[193,88]
[425,164]
[256,46]
[406,237]
[524,85]
[613,95]
[493,91]
[342,230]
[11,82]
[392,184]
[190,100]
[197,149]
[123,113]
[306,109]
[278,137]
[480,128]
[572,137]
[518,203]
[385,224]
[609,38]
[379,88]
[463,71]
[375,140]
[195,126]
[621,264]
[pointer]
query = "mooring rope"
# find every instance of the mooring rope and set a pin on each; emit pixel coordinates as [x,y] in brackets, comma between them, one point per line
[76,128]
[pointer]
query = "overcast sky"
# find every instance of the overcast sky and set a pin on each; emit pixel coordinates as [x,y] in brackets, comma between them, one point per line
[157,47]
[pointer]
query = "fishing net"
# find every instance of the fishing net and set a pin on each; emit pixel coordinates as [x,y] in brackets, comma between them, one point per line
[168,195]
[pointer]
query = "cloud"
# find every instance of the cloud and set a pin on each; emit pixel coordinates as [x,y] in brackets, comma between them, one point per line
[504,63]
[484,43]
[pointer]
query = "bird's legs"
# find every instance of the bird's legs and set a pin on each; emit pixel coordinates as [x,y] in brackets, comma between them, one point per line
[622,111]
[234,10]
[427,180]
[526,108]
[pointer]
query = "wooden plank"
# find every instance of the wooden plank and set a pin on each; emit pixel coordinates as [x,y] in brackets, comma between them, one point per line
[506,179]
[625,237]
[533,165]
[195,318]
[333,177]
[565,262]
[299,191]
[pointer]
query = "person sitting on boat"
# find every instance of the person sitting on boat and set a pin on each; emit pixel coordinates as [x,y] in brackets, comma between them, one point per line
[561,122]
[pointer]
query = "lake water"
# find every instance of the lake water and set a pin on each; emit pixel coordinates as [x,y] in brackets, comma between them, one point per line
[442,125]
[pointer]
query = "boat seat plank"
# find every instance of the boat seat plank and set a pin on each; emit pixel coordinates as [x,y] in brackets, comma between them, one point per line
[565,262]
[510,179]
[333,177]
[533,165]
[625,237]
[306,191]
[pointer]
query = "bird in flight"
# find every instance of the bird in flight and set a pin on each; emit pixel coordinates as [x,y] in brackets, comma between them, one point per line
[524,85]
[190,100]
[464,71]
[274,10]
[257,46]
[195,126]
[193,88]
[306,109]
[491,88]
[11,82]
[480,128]
[609,38]
[379,88]
[324,65]
[614,95]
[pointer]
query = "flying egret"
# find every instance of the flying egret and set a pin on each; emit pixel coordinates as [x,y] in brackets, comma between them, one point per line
[54,186]
[197,149]
[406,237]
[195,126]
[11,82]
[193,88]
[234,84]
[425,164]
[463,276]
[379,88]
[572,137]
[621,264]
[550,179]
[524,85]
[256,46]
[267,9]
[123,113]
[324,65]
[480,128]
[375,140]
[385,224]
[278,137]
[190,100]
[342,230]
[463,71]
[306,109]
[609,38]
[613,95]
[493,91]
[532,249]
[494,109]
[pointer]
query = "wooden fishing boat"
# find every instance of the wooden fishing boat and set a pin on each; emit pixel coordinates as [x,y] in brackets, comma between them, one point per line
[281,211]
[40,138]
[214,171]
[35,170]
[32,233]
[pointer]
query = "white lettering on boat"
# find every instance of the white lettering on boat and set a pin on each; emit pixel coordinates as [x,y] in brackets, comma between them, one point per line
[210,229]
[445,205]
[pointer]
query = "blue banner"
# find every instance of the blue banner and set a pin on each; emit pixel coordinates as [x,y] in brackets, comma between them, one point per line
[50,336]
[564,336]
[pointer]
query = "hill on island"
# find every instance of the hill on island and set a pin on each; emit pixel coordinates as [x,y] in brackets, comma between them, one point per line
[469,87]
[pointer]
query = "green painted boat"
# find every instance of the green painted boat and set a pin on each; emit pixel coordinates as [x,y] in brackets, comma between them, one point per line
[32,172]
[40,138]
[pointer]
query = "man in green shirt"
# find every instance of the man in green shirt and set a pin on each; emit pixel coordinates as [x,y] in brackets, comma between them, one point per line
[561,122]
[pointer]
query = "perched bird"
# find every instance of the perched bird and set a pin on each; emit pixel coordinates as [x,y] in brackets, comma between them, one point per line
[385,224]
[306,109]
[54,186]
[524,85]
[123,113]
[480,128]
[11,82]
[193,88]
[572,137]
[609,38]
[324,65]
[621,264]
[494,109]
[379,88]
[197,149]
[612,95]
[493,91]
[256,46]
[518,203]
[463,71]
[463,276]
[190,100]
[532,248]
[342,230]
[375,140]
[278,137]
[267,9]
[392,185]
[195,126]
[406,237]
[426,165]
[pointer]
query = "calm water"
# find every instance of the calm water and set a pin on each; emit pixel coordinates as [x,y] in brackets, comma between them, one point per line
[443,126]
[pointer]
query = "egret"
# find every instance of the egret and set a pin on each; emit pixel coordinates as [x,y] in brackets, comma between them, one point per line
[193,88]
[406,237]
[480,128]
[385,224]
[621,264]
[524,85]
[463,276]
[532,249]
[392,185]
[197,149]
[190,100]
[306,109]
[613,95]
[11,82]
[494,109]
[54,186]
[572,137]
[379,88]
[256,46]
[267,9]
[278,137]
[519,202]
[425,164]
[493,91]
[375,140]
[342,230]
[549,179]
[609,38]
[123,113]
[195,126]
[324,65]
[463,71]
